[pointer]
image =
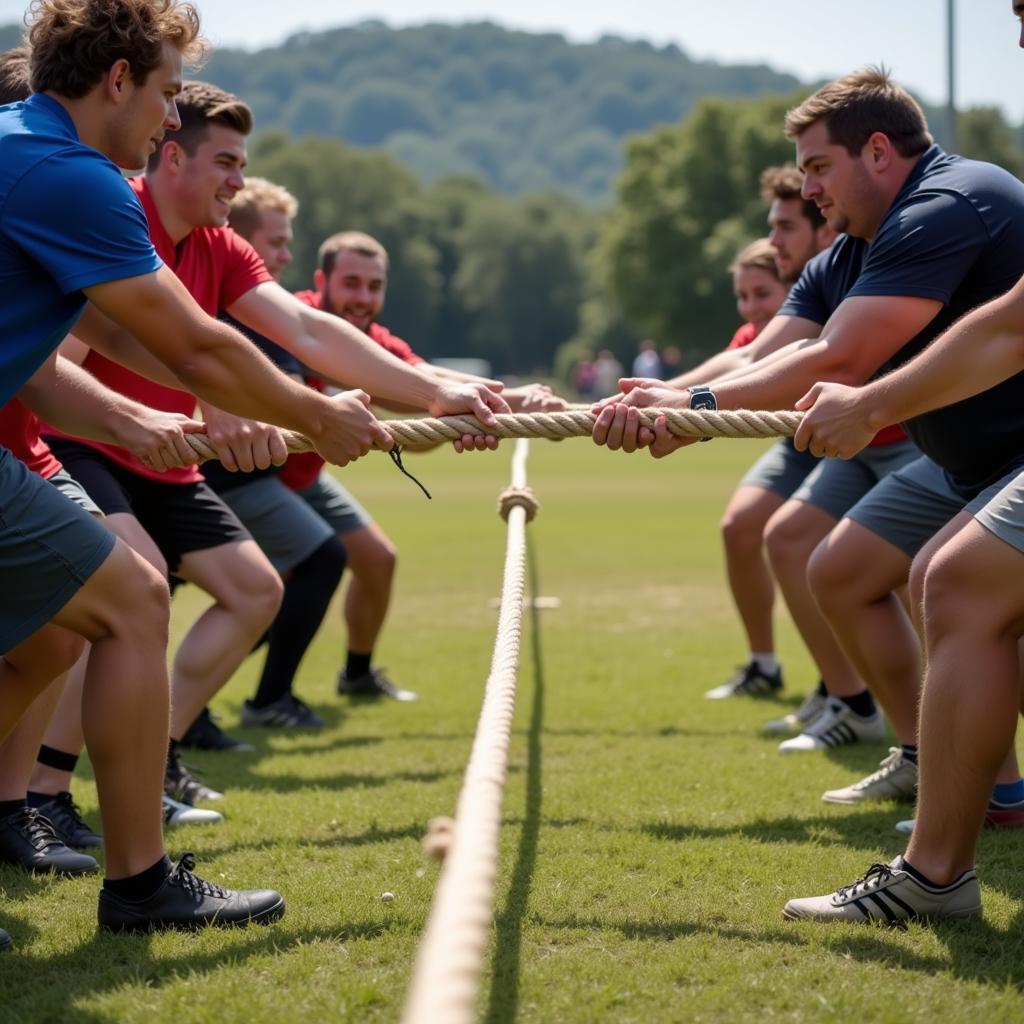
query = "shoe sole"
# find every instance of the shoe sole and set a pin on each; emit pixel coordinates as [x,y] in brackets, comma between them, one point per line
[957,915]
[849,802]
[1004,819]
[265,917]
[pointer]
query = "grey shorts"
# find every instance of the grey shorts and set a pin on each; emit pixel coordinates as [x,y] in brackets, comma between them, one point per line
[334,504]
[49,547]
[909,507]
[836,485]
[1003,513]
[781,470]
[74,491]
[286,528]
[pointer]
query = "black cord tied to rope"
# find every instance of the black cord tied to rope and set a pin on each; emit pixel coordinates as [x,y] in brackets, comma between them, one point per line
[396,458]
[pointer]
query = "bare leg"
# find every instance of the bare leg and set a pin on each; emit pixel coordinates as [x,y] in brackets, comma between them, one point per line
[792,535]
[64,733]
[18,751]
[852,575]
[247,594]
[750,580]
[123,610]
[973,615]
[372,557]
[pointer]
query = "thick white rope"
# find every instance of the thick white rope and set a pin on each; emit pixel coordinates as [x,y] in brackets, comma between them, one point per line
[452,951]
[556,425]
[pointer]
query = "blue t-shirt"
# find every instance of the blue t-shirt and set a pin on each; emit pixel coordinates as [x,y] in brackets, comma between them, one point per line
[825,281]
[954,233]
[68,220]
[214,473]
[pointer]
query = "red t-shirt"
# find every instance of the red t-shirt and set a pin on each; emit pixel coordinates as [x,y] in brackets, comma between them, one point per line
[217,267]
[301,471]
[19,433]
[743,337]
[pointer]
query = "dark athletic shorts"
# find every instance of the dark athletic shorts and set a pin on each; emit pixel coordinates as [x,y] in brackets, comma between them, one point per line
[49,547]
[181,518]
[781,470]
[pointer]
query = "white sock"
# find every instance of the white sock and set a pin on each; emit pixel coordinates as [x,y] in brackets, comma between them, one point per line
[766,662]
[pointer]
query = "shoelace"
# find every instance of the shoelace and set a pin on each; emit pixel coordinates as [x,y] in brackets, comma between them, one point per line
[67,806]
[871,879]
[885,768]
[37,829]
[182,874]
[382,682]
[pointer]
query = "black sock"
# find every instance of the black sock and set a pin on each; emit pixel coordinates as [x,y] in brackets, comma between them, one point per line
[8,807]
[37,799]
[821,690]
[909,752]
[59,759]
[914,873]
[307,595]
[862,704]
[357,664]
[136,888]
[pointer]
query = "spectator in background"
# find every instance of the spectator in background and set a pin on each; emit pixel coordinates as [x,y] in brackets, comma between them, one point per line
[607,371]
[758,288]
[647,363]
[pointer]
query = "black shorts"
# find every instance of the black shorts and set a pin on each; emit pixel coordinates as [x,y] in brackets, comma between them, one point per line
[181,518]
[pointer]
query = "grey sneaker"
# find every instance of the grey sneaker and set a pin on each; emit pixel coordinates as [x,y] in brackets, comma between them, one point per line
[749,681]
[287,712]
[374,684]
[813,705]
[177,813]
[836,726]
[889,894]
[181,784]
[896,779]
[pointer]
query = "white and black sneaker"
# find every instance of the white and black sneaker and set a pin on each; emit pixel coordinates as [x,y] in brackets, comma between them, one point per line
[896,779]
[812,706]
[749,681]
[890,894]
[177,813]
[836,726]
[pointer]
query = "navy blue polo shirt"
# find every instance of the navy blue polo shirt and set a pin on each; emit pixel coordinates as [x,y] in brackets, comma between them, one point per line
[954,233]
[68,220]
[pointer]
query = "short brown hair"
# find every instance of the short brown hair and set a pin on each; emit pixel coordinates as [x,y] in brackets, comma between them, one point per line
[785,182]
[759,255]
[350,241]
[14,83]
[258,195]
[200,105]
[74,42]
[857,106]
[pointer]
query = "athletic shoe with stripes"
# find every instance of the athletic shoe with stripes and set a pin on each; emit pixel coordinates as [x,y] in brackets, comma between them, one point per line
[997,815]
[177,813]
[836,726]
[813,705]
[889,894]
[896,779]
[749,681]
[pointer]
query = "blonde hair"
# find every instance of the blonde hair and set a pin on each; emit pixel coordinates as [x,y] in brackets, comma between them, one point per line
[258,195]
[759,255]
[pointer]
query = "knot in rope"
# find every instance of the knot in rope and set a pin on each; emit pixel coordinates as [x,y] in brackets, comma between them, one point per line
[521,496]
[440,835]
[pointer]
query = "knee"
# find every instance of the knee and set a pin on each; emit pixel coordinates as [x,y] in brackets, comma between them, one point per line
[786,540]
[64,649]
[262,594]
[742,530]
[146,601]
[947,597]
[829,577]
[376,561]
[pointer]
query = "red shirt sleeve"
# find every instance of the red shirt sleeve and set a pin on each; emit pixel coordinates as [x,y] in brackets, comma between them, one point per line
[395,345]
[743,337]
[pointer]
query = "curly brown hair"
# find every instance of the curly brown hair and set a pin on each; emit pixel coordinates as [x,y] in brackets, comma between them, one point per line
[74,42]
[14,75]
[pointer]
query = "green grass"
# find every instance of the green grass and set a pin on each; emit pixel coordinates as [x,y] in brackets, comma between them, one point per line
[650,836]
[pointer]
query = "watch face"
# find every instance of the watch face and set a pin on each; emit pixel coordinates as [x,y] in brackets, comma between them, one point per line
[703,400]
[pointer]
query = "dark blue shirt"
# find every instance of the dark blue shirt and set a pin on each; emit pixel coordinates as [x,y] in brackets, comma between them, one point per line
[68,220]
[219,478]
[954,233]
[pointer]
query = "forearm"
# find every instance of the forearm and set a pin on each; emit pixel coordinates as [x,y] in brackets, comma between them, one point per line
[977,353]
[720,364]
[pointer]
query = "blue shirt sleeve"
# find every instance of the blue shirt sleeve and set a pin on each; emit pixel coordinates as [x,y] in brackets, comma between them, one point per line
[925,248]
[77,217]
[808,298]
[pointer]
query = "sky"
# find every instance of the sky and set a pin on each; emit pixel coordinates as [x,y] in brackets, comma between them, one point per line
[811,39]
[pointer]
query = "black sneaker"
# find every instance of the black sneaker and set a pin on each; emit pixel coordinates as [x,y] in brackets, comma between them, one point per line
[205,734]
[181,785]
[372,684]
[186,902]
[749,681]
[29,840]
[66,818]
[287,712]
[5,941]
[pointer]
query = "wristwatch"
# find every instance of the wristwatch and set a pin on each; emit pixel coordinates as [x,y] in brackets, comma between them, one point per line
[702,397]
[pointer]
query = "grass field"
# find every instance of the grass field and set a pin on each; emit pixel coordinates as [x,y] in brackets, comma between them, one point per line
[650,837]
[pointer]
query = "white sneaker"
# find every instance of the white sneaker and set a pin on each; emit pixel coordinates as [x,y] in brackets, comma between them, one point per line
[904,827]
[177,813]
[896,779]
[888,893]
[813,705]
[836,726]
[749,681]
